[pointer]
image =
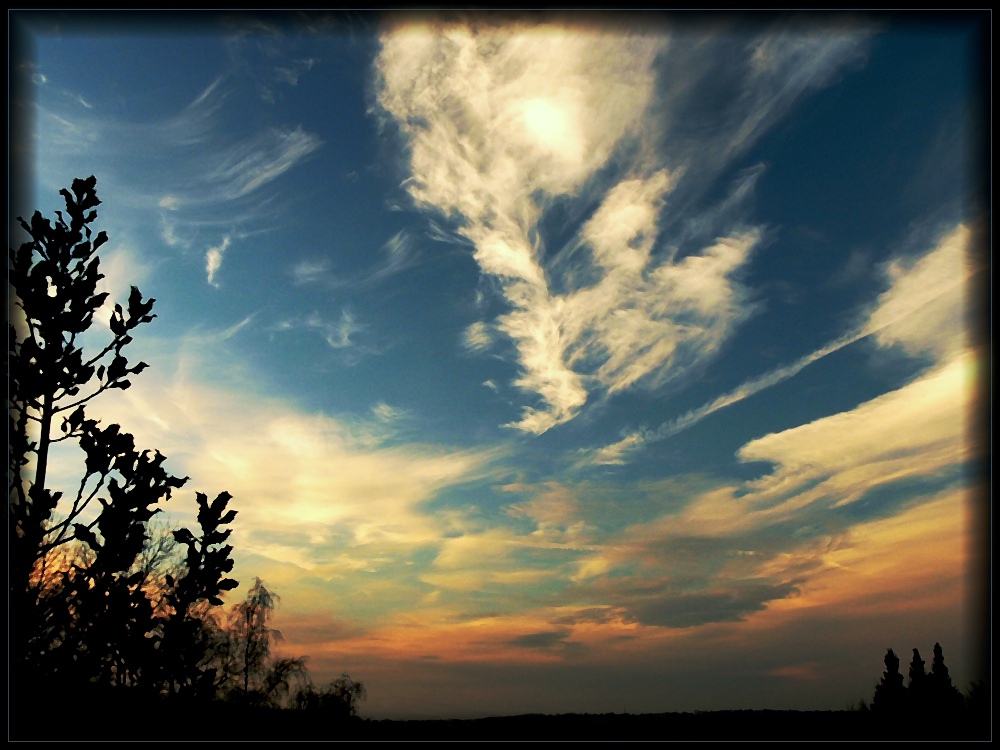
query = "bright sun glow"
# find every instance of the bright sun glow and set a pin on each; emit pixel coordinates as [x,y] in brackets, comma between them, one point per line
[552,128]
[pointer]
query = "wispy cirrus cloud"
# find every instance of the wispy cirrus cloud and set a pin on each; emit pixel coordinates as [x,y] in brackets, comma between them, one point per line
[394,256]
[310,271]
[916,430]
[202,176]
[739,548]
[922,312]
[244,167]
[788,63]
[339,333]
[477,337]
[733,553]
[501,121]
[730,551]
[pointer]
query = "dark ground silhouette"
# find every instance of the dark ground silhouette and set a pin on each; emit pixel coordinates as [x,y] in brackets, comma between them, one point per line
[135,720]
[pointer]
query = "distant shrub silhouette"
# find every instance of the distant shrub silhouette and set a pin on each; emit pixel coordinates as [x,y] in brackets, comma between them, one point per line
[88,605]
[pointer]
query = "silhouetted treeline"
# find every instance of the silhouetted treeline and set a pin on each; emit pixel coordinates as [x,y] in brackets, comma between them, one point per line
[929,702]
[108,612]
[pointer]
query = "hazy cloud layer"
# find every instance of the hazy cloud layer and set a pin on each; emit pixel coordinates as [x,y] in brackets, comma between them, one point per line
[909,564]
[728,551]
[314,491]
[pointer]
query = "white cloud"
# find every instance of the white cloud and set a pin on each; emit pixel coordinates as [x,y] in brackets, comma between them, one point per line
[198,174]
[337,334]
[386,413]
[477,337]
[922,311]
[657,322]
[785,64]
[291,73]
[501,120]
[614,454]
[782,531]
[916,430]
[213,259]
[397,254]
[290,471]
[310,270]
[924,308]
[340,333]
[248,166]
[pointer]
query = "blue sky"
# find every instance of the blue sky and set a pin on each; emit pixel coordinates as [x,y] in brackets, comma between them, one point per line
[632,358]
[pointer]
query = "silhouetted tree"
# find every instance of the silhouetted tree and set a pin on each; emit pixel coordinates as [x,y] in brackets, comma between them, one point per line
[337,700]
[945,696]
[917,688]
[249,674]
[86,603]
[890,693]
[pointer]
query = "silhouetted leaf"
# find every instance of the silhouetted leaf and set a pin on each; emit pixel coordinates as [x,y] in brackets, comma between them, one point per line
[184,536]
[85,535]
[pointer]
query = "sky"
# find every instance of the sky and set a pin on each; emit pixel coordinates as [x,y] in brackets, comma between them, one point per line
[589,363]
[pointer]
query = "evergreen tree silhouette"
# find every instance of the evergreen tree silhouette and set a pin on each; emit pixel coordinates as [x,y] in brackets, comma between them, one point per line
[917,688]
[890,695]
[946,697]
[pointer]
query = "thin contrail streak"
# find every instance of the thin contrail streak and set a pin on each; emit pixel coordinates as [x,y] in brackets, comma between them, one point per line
[755,385]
